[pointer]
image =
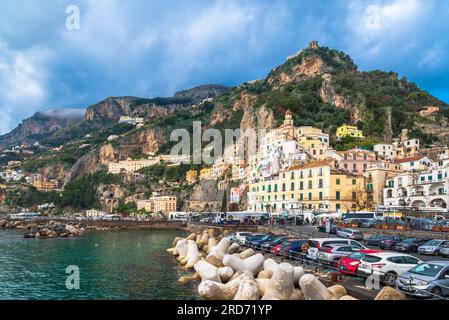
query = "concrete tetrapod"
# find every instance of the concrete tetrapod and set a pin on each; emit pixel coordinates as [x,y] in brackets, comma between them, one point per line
[248,290]
[388,293]
[247,253]
[250,266]
[314,289]
[207,271]
[269,266]
[220,249]
[204,239]
[181,250]
[211,290]
[193,255]
[281,285]
[233,248]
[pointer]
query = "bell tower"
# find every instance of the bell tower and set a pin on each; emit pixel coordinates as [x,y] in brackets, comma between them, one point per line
[288,119]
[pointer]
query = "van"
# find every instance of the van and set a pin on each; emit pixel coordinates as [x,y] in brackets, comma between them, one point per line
[314,245]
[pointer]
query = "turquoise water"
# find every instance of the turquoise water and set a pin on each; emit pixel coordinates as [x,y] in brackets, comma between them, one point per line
[112,265]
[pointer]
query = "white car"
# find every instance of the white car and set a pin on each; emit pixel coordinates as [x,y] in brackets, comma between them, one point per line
[240,237]
[314,245]
[388,266]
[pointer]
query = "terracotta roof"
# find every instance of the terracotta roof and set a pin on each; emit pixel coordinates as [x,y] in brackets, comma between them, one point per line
[409,159]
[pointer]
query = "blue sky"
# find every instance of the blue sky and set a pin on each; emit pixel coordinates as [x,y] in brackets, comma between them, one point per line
[154,48]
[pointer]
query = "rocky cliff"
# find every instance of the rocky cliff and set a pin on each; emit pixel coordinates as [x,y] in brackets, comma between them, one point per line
[40,126]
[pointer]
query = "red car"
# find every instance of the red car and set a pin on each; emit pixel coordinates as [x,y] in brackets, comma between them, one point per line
[350,264]
[277,249]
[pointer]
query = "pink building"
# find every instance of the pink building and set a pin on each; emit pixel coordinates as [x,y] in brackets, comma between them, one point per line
[356,161]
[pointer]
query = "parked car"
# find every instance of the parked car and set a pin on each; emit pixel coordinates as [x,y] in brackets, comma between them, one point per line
[350,264]
[444,250]
[368,223]
[333,228]
[292,247]
[411,244]
[350,234]
[332,253]
[257,243]
[389,242]
[375,240]
[252,237]
[240,237]
[387,265]
[312,246]
[432,247]
[426,280]
[274,242]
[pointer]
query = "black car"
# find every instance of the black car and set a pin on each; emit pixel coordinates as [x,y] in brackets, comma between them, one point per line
[274,242]
[292,247]
[257,243]
[389,242]
[376,239]
[411,244]
[253,237]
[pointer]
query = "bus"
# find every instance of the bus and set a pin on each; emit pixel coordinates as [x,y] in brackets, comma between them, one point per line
[24,215]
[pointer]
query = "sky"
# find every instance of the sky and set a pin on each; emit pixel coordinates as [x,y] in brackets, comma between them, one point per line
[150,48]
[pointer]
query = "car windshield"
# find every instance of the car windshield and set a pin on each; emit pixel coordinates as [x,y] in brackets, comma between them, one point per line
[433,243]
[278,240]
[426,269]
[409,240]
[356,256]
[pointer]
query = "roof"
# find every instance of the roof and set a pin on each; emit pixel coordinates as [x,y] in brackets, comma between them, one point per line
[389,254]
[409,159]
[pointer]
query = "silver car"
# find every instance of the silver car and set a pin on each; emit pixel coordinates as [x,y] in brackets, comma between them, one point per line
[427,280]
[350,234]
[332,253]
[432,247]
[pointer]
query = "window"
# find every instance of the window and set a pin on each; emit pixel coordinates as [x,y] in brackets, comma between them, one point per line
[320,195]
[337,206]
[337,182]
[354,195]
[337,195]
[283,187]
[320,183]
[292,186]
[275,188]
[310,184]
[283,197]
[301,185]
[301,197]
[354,167]
[292,175]
[301,174]
[310,196]
[354,182]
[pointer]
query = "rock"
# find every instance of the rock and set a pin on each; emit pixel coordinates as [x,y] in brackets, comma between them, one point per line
[347,298]
[314,289]
[250,266]
[388,293]
[3,223]
[338,291]
[248,290]
[299,272]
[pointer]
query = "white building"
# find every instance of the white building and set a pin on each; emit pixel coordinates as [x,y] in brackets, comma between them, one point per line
[417,163]
[94,214]
[426,189]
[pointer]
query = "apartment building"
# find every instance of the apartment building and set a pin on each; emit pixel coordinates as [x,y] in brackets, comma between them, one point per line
[158,204]
[349,131]
[131,165]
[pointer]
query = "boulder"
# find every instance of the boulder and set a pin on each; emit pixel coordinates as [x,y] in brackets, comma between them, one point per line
[338,291]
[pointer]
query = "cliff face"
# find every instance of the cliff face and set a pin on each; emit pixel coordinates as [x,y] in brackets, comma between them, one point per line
[111,109]
[40,126]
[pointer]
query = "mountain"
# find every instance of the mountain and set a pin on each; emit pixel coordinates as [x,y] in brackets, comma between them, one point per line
[111,109]
[40,126]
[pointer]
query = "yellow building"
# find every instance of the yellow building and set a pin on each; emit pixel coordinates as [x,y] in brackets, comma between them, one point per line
[191,176]
[376,177]
[206,173]
[160,204]
[314,186]
[349,131]
[314,141]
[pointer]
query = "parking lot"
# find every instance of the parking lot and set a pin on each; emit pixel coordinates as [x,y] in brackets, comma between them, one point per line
[357,284]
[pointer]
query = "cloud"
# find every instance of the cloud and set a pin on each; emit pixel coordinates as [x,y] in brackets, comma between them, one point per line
[22,83]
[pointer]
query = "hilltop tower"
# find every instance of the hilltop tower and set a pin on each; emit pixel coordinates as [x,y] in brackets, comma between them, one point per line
[313,44]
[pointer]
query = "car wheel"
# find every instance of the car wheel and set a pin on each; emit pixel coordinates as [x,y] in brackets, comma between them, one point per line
[390,278]
[437,291]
